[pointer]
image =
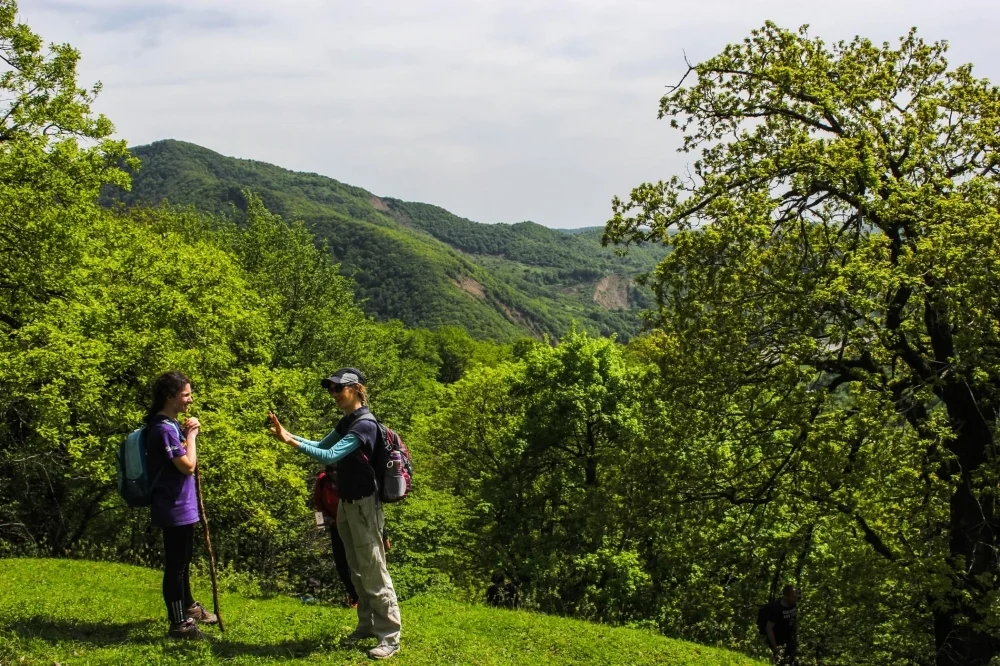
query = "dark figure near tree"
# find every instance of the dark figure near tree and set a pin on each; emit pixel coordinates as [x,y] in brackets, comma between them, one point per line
[781,624]
[501,594]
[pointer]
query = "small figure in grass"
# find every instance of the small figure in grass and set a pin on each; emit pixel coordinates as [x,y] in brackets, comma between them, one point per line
[501,594]
[171,453]
[780,623]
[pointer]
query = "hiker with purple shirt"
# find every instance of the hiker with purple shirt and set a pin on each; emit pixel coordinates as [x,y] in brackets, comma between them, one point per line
[171,454]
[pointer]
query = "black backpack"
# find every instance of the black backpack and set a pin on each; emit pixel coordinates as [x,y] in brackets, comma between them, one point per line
[392,464]
[762,614]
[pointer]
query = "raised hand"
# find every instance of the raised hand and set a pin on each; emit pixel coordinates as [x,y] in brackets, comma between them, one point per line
[278,431]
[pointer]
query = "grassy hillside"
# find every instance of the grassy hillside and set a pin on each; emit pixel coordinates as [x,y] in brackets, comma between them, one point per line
[81,612]
[416,262]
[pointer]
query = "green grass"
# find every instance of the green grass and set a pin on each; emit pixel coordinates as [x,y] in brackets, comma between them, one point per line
[81,612]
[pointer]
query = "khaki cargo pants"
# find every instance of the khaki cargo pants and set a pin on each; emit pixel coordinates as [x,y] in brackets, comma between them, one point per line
[360,526]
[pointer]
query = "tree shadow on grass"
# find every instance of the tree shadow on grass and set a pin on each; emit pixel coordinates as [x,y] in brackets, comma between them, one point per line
[294,649]
[106,634]
[94,633]
[289,649]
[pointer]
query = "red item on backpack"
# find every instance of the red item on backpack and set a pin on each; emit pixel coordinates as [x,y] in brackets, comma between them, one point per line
[325,496]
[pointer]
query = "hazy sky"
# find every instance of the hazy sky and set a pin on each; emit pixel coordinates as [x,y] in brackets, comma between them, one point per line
[498,111]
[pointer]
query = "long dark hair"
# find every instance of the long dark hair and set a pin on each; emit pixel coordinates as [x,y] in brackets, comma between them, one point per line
[165,387]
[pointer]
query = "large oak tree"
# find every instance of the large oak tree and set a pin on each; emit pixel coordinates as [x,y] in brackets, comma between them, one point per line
[832,301]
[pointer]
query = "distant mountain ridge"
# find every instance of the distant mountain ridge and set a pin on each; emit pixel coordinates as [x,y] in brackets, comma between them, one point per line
[417,262]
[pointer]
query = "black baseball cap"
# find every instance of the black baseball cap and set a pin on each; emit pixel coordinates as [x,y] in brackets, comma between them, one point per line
[344,376]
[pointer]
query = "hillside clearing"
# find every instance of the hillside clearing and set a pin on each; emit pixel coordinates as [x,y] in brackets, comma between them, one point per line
[82,612]
[612,292]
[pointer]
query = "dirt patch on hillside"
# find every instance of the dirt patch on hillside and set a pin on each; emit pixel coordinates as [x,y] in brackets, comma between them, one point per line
[518,318]
[470,286]
[612,292]
[513,315]
[378,204]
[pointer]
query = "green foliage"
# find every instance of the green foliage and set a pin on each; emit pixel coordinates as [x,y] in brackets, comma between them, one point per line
[157,290]
[46,169]
[75,612]
[452,351]
[95,303]
[535,450]
[525,242]
[414,262]
[43,102]
[828,319]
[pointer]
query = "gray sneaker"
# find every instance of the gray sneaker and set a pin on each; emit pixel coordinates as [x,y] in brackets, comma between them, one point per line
[383,651]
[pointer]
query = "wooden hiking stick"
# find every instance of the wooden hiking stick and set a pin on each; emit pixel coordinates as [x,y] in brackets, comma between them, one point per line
[208,546]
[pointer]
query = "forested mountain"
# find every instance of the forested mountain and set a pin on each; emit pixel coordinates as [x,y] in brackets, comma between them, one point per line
[416,262]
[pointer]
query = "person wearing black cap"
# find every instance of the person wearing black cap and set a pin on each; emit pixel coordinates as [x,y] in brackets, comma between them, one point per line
[360,521]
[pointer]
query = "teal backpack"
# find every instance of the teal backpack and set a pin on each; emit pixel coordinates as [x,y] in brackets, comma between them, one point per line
[134,484]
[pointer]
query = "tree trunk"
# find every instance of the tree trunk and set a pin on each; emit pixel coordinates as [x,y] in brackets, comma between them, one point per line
[590,464]
[86,515]
[960,638]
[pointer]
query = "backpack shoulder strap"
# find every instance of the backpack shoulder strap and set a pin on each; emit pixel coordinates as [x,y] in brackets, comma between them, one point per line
[144,428]
[180,436]
[381,428]
[368,417]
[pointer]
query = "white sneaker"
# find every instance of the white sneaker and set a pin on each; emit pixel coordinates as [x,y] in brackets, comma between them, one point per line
[383,651]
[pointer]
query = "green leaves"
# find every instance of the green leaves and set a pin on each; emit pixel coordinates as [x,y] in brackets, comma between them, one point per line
[824,310]
[540,453]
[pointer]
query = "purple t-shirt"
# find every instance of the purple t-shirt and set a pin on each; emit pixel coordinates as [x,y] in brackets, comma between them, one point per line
[174,500]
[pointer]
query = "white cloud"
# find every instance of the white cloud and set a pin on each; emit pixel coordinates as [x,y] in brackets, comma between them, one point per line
[498,111]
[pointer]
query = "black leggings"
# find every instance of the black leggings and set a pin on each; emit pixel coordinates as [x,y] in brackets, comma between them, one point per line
[178,547]
[340,560]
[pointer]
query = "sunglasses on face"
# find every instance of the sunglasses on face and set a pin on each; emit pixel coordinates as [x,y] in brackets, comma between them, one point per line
[337,388]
